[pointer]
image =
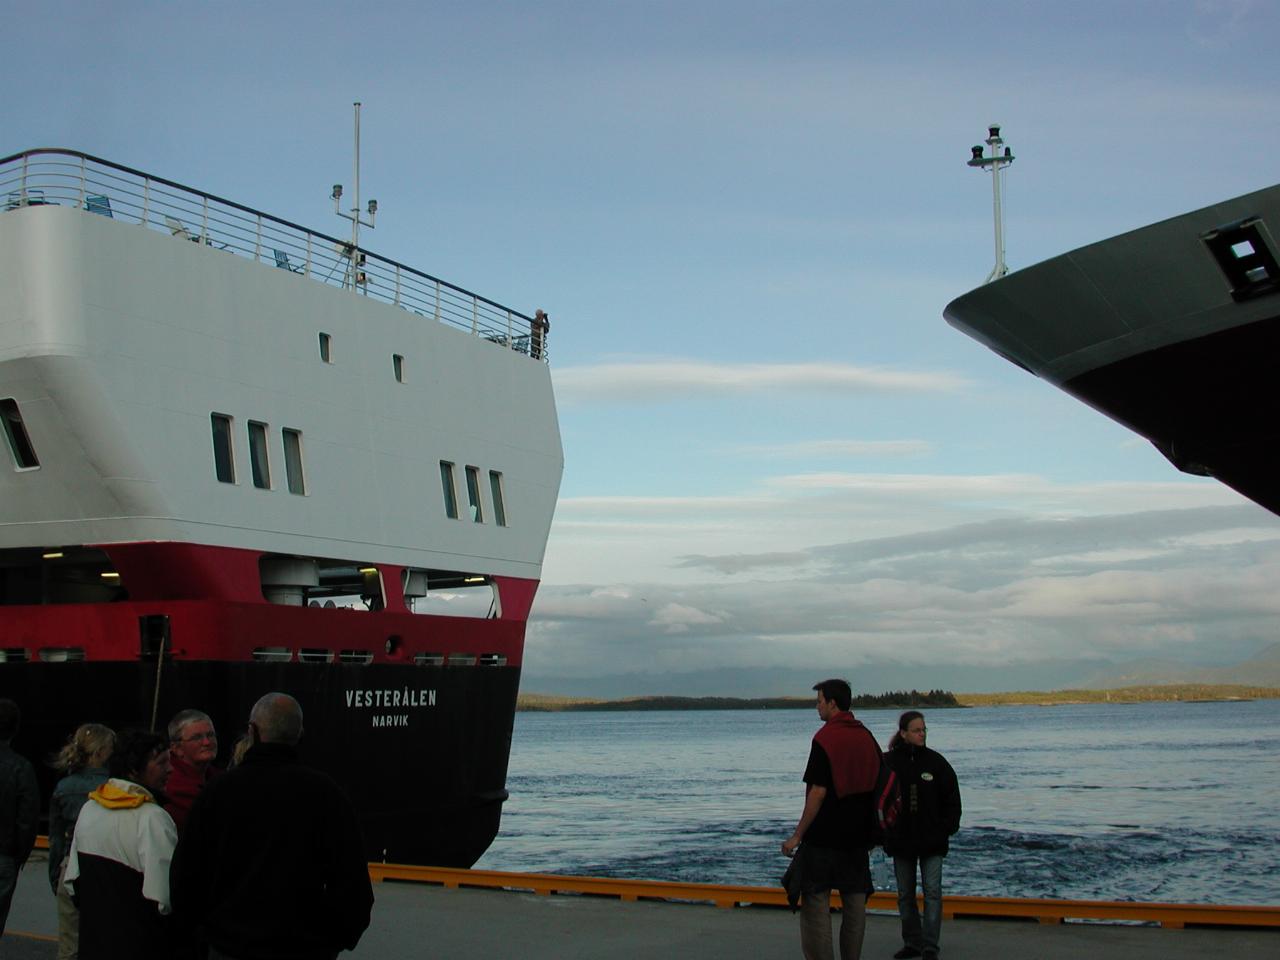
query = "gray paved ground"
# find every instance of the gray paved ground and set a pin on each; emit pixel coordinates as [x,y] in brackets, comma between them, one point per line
[420,921]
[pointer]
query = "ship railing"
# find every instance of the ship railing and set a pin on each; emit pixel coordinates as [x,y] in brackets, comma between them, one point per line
[69,178]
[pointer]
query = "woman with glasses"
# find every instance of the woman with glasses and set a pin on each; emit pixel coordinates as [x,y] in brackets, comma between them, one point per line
[920,838]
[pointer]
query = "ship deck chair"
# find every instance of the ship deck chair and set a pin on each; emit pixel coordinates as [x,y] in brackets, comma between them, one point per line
[282,261]
[177,228]
[31,197]
[99,203]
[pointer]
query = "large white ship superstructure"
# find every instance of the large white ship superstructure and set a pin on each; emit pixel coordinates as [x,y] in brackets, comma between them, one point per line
[240,455]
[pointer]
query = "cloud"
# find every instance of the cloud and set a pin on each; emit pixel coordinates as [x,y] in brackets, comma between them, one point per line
[679,618]
[1013,491]
[930,484]
[740,563]
[799,523]
[934,500]
[623,507]
[1216,23]
[671,380]
[838,448]
[991,593]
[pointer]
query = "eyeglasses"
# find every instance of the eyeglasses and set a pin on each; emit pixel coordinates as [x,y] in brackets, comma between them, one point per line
[196,737]
[918,730]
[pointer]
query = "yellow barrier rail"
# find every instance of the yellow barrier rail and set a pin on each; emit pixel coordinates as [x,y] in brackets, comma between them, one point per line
[1173,915]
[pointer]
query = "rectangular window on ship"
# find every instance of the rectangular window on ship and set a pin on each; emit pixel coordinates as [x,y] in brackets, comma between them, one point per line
[473,494]
[15,431]
[499,507]
[224,464]
[258,461]
[293,461]
[450,492]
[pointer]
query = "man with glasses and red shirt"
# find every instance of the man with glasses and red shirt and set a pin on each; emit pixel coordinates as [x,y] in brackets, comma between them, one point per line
[193,745]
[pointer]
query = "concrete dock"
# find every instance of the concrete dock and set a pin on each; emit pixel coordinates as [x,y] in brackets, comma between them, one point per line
[415,920]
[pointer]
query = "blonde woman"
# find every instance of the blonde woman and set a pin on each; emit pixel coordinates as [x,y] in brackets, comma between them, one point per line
[83,763]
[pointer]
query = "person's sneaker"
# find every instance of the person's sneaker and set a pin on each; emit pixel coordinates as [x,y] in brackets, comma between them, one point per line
[906,953]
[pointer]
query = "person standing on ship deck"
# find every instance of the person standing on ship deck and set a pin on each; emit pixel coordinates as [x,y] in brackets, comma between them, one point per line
[272,862]
[193,745]
[19,808]
[835,826]
[539,329]
[930,815]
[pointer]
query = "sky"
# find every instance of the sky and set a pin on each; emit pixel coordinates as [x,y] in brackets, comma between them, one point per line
[744,219]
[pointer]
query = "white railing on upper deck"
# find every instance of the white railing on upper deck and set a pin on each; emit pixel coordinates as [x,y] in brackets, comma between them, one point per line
[71,178]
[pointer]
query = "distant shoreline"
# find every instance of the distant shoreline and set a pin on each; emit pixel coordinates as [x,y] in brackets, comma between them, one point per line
[1147,693]
[533,702]
[1188,693]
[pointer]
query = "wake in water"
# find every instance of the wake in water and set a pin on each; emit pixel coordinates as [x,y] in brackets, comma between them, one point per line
[1054,807]
[1137,865]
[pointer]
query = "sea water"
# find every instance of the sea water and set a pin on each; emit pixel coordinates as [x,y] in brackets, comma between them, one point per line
[1172,802]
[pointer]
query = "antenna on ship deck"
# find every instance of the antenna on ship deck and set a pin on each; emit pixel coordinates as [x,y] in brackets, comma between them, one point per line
[355,275]
[996,162]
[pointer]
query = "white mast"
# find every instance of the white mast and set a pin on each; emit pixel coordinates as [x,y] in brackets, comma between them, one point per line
[354,275]
[996,162]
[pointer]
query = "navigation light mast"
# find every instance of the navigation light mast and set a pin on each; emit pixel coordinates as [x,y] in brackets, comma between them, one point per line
[996,163]
[355,275]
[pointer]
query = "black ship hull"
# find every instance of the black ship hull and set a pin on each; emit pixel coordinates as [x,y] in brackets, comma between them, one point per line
[1169,330]
[1204,404]
[385,732]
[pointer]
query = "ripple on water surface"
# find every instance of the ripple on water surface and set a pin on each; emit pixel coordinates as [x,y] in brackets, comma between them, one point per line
[1100,802]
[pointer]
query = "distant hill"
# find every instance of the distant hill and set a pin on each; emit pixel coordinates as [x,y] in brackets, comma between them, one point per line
[1186,692]
[1262,669]
[733,681]
[895,699]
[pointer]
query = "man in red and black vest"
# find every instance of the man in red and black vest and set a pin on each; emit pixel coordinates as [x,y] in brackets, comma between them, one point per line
[835,826]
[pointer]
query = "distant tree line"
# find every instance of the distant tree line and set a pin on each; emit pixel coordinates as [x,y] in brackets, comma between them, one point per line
[903,698]
[899,699]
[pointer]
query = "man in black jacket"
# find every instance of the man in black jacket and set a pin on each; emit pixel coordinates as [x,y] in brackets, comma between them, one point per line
[19,808]
[271,864]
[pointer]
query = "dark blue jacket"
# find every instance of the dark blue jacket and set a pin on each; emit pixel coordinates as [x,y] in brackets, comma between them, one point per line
[19,805]
[930,802]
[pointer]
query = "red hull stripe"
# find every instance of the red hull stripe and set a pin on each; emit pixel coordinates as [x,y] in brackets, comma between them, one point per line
[213,600]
